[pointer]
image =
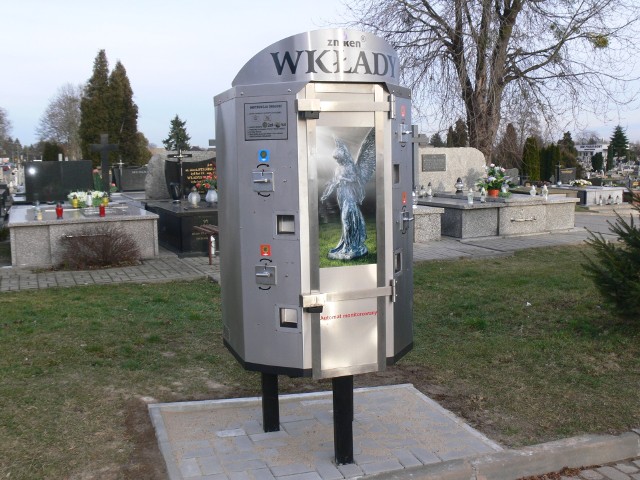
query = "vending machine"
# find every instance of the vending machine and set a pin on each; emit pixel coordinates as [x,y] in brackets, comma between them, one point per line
[314,161]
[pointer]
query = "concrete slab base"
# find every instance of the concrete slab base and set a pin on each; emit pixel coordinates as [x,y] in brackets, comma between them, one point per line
[395,428]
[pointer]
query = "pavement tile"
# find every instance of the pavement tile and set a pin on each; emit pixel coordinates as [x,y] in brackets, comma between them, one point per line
[627,468]
[262,474]
[383,466]
[406,458]
[244,466]
[305,476]
[189,468]
[591,475]
[612,473]
[210,465]
[328,471]
[290,469]
[350,471]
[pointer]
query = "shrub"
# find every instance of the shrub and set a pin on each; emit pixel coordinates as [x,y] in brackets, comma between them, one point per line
[615,269]
[4,233]
[98,247]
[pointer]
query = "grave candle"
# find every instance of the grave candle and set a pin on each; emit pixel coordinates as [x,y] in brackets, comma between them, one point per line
[59,210]
[102,210]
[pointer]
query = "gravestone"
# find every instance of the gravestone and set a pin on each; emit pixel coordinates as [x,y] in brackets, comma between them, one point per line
[130,179]
[104,147]
[52,181]
[155,185]
[162,171]
[192,171]
[565,175]
[513,175]
[443,166]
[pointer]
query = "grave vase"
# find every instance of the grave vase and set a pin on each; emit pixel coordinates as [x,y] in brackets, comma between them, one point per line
[194,198]
[212,196]
[493,192]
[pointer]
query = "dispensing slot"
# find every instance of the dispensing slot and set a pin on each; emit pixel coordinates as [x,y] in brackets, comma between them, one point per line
[288,318]
[285,224]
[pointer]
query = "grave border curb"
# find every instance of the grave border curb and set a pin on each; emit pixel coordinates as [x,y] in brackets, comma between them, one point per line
[574,452]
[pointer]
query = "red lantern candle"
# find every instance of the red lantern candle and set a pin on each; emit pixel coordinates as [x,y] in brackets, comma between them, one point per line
[59,210]
[103,210]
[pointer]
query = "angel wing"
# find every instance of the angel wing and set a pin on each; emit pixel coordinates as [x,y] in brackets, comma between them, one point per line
[366,162]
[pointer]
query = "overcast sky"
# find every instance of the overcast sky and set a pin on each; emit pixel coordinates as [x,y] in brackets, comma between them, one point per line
[178,55]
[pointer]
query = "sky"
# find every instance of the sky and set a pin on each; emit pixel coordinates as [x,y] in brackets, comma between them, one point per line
[178,56]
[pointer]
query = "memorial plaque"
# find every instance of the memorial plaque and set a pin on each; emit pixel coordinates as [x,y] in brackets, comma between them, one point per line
[52,181]
[434,162]
[192,172]
[130,179]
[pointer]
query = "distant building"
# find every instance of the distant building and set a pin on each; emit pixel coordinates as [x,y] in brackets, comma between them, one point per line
[586,152]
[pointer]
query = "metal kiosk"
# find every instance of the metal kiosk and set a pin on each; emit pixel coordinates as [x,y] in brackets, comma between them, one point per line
[315,183]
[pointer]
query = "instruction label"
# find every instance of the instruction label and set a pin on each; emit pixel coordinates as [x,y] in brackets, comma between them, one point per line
[265,121]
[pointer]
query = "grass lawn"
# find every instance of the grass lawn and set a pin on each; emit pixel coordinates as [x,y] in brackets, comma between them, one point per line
[521,347]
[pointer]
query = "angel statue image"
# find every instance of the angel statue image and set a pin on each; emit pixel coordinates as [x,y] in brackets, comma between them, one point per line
[349,180]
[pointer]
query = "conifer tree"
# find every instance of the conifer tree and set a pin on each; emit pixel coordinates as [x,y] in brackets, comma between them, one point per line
[450,138]
[461,139]
[531,159]
[50,152]
[549,158]
[615,267]
[597,162]
[568,151]
[507,153]
[618,146]
[94,108]
[178,138]
[123,116]
[436,140]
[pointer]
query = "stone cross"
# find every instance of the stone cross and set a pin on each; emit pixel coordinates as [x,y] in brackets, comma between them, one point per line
[179,156]
[104,147]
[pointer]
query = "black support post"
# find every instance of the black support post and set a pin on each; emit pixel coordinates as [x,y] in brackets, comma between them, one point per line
[270,406]
[343,419]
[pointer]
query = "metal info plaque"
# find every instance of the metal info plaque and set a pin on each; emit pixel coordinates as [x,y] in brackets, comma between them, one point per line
[434,162]
[265,121]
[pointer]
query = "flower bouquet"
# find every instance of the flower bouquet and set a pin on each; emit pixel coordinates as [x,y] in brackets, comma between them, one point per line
[208,182]
[580,183]
[86,199]
[493,179]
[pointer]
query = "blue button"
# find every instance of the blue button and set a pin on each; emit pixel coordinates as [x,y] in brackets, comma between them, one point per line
[264,155]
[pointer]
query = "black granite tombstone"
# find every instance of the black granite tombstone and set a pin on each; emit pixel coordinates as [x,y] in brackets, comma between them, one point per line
[52,181]
[176,222]
[130,179]
[192,172]
[565,175]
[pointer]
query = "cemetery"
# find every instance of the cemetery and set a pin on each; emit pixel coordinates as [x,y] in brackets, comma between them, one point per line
[37,242]
[323,320]
[467,214]
[58,201]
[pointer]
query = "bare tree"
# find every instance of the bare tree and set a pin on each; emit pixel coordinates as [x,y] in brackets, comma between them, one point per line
[5,125]
[468,56]
[61,120]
